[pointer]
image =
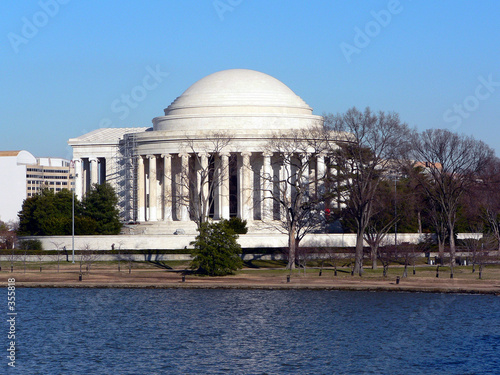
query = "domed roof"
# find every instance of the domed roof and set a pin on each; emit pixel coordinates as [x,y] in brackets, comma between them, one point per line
[223,91]
[238,100]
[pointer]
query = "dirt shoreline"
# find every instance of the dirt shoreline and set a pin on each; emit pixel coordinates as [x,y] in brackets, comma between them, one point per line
[161,279]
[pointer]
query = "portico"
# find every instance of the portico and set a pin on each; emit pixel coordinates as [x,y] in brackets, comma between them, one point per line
[208,155]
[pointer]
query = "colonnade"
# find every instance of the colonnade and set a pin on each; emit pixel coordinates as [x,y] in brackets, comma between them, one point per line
[89,171]
[173,187]
[179,186]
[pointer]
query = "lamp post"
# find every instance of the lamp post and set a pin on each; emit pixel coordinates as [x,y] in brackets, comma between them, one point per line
[72,165]
[395,211]
[395,176]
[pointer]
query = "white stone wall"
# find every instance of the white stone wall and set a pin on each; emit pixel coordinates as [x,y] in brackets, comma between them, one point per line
[173,242]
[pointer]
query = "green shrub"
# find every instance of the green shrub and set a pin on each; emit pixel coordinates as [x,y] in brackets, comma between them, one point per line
[216,252]
[30,245]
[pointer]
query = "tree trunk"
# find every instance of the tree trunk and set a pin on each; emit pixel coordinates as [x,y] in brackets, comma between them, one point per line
[358,261]
[291,250]
[419,222]
[441,248]
[374,256]
[452,246]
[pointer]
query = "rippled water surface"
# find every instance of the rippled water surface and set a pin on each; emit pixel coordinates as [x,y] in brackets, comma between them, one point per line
[135,331]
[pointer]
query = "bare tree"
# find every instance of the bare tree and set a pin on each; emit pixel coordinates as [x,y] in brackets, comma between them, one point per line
[293,195]
[58,247]
[387,255]
[407,254]
[40,256]
[375,237]
[481,255]
[382,220]
[24,257]
[88,257]
[304,255]
[479,249]
[473,245]
[12,258]
[204,176]
[128,258]
[487,194]
[333,256]
[452,163]
[438,222]
[8,235]
[120,244]
[373,142]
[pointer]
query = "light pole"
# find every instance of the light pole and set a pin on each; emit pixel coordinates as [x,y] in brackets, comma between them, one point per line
[72,165]
[395,211]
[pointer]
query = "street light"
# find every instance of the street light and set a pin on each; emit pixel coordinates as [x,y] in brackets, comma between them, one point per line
[395,176]
[72,165]
[395,211]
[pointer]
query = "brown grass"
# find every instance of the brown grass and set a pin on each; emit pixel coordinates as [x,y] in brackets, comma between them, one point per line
[149,275]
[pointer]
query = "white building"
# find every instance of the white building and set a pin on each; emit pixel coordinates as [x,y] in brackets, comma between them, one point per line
[224,120]
[50,173]
[24,175]
[13,164]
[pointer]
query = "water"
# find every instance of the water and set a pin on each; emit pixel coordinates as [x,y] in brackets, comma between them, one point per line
[169,331]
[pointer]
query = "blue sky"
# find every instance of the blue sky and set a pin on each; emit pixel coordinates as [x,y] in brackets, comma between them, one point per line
[66,65]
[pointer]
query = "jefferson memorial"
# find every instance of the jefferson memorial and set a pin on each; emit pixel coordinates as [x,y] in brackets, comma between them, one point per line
[218,129]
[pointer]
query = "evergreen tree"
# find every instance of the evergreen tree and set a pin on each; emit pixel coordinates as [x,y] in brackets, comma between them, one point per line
[100,205]
[46,214]
[216,252]
[50,213]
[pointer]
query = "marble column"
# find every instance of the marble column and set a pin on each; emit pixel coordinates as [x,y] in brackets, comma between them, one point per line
[245,192]
[320,171]
[304,178]
[224,180]
[333,186]
[167,187]
[184,188]
[267,185]
[202,185]
[94,177]
[286,186]
[141,191]
[85,176]
[78,179]
[152,189]
[312,177]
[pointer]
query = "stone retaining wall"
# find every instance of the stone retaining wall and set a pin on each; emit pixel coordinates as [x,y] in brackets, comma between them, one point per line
[176,242]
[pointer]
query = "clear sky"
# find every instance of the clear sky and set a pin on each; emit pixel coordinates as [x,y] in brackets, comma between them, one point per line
[66,66]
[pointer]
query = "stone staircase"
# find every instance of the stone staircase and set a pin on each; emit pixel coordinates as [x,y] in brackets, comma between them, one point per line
[160,228]
[188,227]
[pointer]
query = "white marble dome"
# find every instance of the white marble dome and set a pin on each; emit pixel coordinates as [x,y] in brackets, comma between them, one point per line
[236,99]
[226,90]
